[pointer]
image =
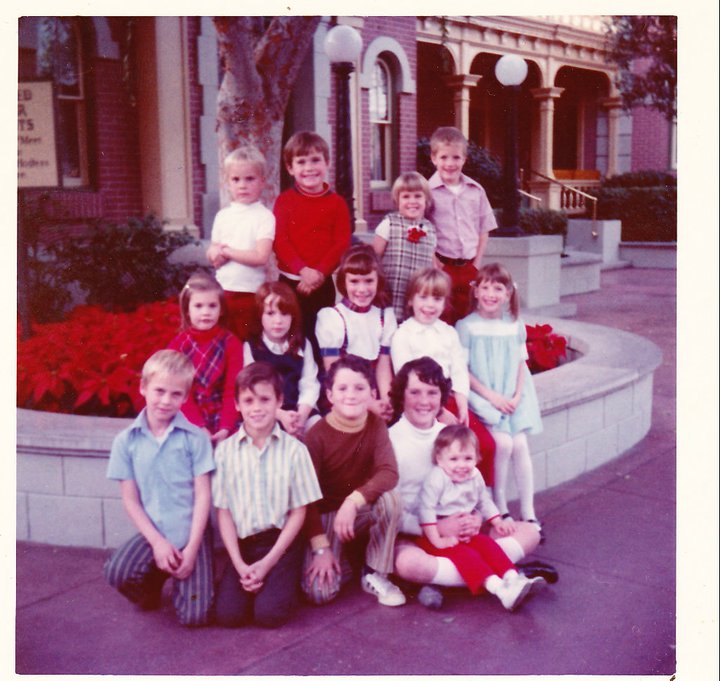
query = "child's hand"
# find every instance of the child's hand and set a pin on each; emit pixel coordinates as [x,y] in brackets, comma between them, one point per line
[167,557]
[445,542]
[504,527]
[310,279]
[221,435]
[258,571]
[289,421]
[187,564]
[447,418]
[323,568]
[464,526]
[501,403]
[215,256]
[344,524]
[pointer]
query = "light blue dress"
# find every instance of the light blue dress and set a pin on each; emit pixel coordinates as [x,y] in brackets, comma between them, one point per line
[495,348]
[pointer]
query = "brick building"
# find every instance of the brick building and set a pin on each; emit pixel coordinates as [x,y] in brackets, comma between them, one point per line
[135,107]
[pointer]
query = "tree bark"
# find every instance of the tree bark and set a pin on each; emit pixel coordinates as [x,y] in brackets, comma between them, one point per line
[260,61]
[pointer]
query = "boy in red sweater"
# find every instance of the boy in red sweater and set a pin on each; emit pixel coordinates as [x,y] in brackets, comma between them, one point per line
[312,228]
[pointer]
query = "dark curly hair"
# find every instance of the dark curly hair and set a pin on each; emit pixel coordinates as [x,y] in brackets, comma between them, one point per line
[428,371]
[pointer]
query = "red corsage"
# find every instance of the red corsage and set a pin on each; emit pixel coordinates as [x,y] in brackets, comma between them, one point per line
[415,234]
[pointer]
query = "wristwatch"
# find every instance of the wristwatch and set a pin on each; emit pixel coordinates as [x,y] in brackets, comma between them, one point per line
[319,552]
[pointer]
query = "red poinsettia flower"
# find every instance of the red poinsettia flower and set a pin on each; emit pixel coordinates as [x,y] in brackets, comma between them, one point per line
[545,348]
[415,234]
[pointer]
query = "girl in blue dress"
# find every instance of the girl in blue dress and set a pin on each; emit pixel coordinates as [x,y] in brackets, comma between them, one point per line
[502,393]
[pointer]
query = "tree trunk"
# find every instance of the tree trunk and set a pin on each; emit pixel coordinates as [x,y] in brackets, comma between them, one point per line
[260,59]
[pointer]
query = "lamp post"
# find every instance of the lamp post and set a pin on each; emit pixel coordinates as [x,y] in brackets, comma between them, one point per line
[511,70]
[342,47]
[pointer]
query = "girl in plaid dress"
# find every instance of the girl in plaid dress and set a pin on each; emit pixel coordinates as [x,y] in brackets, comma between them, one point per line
[405,240]
[216,354]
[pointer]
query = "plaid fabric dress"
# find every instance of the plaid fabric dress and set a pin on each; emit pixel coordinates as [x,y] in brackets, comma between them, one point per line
[208,352]
[410,247]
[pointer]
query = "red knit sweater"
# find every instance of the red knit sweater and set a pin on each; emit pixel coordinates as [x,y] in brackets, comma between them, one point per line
[310,231]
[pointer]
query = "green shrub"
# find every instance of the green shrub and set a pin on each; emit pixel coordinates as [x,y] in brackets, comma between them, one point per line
[121,266]
[647,213]
[641,178]
[480,165]
[543,221]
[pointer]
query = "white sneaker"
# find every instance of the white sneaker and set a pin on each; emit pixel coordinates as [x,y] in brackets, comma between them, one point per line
[383,589]
[513,592]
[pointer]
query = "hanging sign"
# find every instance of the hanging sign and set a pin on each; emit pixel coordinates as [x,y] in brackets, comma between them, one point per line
[37,152]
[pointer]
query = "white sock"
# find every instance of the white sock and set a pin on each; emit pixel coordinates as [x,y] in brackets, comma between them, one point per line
[511,547]
[447,574]
[523,470]
[493,584]
[503,452]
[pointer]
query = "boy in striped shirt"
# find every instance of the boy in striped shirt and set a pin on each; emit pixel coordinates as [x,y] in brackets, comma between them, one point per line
[263,482]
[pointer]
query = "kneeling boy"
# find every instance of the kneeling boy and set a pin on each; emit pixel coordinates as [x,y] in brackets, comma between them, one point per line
[356,466]
[163,464]
[263,483]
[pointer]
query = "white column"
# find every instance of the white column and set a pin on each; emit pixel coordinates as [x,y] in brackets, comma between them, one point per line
[461,85]
[614,109]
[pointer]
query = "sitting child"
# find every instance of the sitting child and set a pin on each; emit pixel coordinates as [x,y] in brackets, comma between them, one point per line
[357,471]
[454,485]
[264,481]
[163,463]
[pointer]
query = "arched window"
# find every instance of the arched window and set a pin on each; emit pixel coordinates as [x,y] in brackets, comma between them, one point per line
[51,49]
[382,125]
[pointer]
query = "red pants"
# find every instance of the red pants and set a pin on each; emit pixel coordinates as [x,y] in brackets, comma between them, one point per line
[461,302]
[486,466]
[475,560]
[240,314]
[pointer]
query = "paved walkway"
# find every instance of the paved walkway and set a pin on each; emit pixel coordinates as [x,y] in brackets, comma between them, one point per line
[611,535]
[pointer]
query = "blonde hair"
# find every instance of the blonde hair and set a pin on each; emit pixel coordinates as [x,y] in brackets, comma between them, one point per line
[303,143]
[199,282]
[447,135]
[246,154]
[430,280]
[168,362]
[456,433]
[495,272]
[411,182]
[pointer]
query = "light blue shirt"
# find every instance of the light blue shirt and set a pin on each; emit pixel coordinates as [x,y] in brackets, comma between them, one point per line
[163,472]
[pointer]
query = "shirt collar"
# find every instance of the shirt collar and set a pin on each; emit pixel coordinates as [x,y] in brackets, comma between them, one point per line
[274,433]
[275,348]
[179,421]
[436,182]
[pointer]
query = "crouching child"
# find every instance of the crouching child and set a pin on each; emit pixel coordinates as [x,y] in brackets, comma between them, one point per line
[264,480]
[163,463]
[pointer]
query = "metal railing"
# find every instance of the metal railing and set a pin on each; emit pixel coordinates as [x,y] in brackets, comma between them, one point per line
[572,199]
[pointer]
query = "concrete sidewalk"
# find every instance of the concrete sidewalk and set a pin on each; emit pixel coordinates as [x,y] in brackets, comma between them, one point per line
[611,536]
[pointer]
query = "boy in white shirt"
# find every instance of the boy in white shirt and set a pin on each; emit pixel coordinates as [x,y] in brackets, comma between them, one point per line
[242,237]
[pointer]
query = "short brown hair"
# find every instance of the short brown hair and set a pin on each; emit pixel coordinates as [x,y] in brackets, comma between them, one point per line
[456,433]
[284,297]
[360,258]
[447,135]
[259,372]
[303,143]
[496,272]
[199,282]
[431,279]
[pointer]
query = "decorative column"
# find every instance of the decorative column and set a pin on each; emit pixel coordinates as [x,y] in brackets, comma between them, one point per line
[614,110]
[543,153]
[461,85]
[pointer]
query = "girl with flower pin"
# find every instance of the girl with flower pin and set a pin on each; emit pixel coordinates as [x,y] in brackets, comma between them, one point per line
[215,353]
[501,388]
[405,240]
[360,324]
[278,339]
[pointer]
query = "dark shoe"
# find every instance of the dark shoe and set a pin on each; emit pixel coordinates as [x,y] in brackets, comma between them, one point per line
[539,569]
[506,516]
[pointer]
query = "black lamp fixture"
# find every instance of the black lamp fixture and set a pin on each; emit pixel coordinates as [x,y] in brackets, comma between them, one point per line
[511,70]
[343,45]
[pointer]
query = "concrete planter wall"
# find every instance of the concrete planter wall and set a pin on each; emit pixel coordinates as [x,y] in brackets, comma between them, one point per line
[534,262]
[594,409]
[601,237]
[660,255]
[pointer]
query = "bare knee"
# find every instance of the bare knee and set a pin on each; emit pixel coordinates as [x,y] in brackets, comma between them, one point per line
[413,564]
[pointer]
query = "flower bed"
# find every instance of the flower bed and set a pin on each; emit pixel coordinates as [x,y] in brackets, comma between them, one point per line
[90,363]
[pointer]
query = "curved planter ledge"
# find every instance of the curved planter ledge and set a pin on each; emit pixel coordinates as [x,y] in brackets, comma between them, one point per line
[594,409]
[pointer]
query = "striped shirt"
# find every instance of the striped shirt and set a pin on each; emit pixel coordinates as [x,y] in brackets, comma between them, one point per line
[260,486]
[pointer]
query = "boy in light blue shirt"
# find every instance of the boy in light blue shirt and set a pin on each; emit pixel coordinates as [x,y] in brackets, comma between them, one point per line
[163,463]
